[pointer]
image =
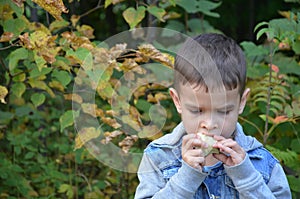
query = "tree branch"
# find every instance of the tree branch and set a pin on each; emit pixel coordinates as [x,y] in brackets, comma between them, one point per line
[92,10]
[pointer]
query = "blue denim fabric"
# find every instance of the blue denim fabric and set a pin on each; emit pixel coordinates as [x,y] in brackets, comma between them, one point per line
[163,172]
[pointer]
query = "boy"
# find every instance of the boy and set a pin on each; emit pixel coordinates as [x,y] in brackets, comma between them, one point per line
[209,93]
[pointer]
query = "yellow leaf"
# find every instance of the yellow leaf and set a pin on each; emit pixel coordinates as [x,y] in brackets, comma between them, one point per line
[107,3]
[74,19]
[6,12]
[150,51]
[134,16]
[86,31]
[132,122]
[3,93]
[56,85]
[54,7]
[35,83]
[85,135]
[74,97]
[287,14]
[89,109]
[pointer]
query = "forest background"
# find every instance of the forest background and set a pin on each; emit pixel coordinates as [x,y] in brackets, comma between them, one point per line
[47,130]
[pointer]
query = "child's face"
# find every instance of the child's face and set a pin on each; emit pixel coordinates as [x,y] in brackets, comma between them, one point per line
[215,113]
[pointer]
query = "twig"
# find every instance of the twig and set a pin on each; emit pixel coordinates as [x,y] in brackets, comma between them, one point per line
[12,45]
[92,10]
[252,124]
[266,134]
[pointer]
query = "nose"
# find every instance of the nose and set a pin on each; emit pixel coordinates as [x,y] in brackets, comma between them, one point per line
[208,123]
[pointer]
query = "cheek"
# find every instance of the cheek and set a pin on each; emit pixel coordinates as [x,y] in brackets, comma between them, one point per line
[229,126]
[190,123]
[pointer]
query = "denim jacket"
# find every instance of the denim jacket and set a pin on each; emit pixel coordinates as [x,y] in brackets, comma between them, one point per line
[163,173]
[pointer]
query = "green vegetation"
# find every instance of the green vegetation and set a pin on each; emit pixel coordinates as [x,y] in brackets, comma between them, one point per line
[48,48]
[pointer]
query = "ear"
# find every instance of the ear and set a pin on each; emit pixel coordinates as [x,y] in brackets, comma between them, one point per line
[244,100]
[176,100]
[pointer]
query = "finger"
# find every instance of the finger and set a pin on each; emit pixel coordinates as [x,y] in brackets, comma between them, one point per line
[218,138]
[233,145]
[195,162]
[221,157]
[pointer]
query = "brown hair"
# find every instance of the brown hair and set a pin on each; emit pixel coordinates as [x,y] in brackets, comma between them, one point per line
[211,60]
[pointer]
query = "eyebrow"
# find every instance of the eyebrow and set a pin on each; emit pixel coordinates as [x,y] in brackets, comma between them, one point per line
[228,106]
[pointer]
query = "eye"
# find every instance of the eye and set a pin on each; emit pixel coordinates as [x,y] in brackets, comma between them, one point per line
[224,112]
[196,111]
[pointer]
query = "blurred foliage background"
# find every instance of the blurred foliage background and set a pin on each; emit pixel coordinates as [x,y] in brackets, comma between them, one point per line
[44,46]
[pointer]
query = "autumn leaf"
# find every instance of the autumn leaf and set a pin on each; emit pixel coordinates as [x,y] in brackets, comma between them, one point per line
[85,135]
[6,36]
[89,109]
[74,19]
[3,93]
[280,119]
[150,51]
[111,122]
[74,97]
[86,31]
[128,142]
[110,135]
[54,7]
[133,17]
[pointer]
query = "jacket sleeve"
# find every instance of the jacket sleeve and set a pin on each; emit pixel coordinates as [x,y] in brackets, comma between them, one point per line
[181,185]
[251,185]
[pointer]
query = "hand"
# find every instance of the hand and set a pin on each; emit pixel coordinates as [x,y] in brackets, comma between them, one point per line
[231,153]
[191,152]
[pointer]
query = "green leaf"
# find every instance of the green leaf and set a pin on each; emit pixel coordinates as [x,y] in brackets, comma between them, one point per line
[133,17]
[252,50]
[16,26]
[107,3]
[261,32]
[143,105]
[39,60]
[296,47]
[83,56]
[18,10]
[295,145]
[6,117]
[38,99]
[67,119]
[159,13]
[29,155]
[68,189]
[204,6]
[18,89]
[23,111]
[62,76]
[294,183]
[15,56]
[173,25]
[58,24]
[263,23]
